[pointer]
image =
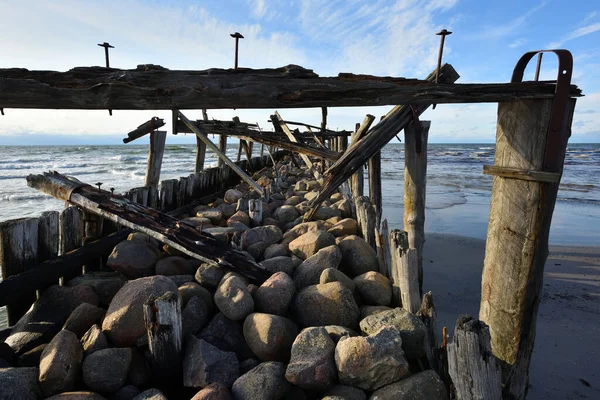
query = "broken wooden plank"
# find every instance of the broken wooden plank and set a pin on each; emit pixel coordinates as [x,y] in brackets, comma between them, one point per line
[299,148]
[278,122]
[144,129]
[162,227]
[155,157]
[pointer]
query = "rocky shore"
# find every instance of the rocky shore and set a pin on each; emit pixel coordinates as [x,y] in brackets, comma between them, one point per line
[320,327]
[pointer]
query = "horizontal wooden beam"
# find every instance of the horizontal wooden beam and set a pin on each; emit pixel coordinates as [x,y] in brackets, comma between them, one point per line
[522,174]
[217,127]
[152,87]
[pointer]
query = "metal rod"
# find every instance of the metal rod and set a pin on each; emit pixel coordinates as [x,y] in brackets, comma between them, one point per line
[237,37]
[538,66]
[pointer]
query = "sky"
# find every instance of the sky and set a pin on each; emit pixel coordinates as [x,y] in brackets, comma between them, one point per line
[379,37]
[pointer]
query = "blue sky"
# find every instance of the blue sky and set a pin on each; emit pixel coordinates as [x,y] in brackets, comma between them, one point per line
[373,37]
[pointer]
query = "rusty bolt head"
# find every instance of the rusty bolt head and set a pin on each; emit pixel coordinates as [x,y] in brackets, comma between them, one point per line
[236,35]
[444,32]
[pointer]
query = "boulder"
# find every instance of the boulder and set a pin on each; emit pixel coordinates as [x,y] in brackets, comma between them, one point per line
[191,289]
[300,230]
[337,332]
[203,364]
[197,222]
[138,374]
[256,240]
[233,298]
[209,275]
[227,335]
[78,395]
[372,362]
[227,210]
[344,207]
[358,256]
[151,394]
[232,196]
[312,364]
[239,216]
[278,264]
[179,280]
[105,284]
[374,288]
[19,383]
[173,265]
[32,357]
[144,238]
[411,329]
[423,385]
[270,337]
[127,392]
[309,272]
[275,250]
[366,311]
[343,392]
[134,259]
[275,295]
[335,275]
[194,316]
[334,302]
[310,243]
[285,214]
[265,381]
[60,363]
[293,200]
[106,370]
[47,316]
[214,391]
[213,215]
[324,213]
[347,226]
[93,340]
[124,320]
[83,317]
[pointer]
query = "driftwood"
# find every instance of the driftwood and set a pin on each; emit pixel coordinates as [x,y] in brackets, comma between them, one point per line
[375,139]
[19,287]
[517,239]
[144,129]
[475,373]
[151,87]
[162,227]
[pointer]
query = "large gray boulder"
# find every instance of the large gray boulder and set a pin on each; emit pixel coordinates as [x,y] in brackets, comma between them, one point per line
[173,265]
[256,240]
[233,298]
[124,320]
[310,243]
[347,226]
[19,383]
[78,395]
[312,365]
[93,340]
[301,229]
[194,316]
[270,337]
[275,250]
[203,364]
[358,256]
[209,275]
[265,381]
[278,264]
[105,371]
[309,272]
[334,302]
[227,335]
[133,258]
[60,364]
[83,317]
[371,362]
[374,288]
[343,392]
[411,329]
[335,275]
[105,284]
[285,214]
[191,289]
[151,394]
[423,385]
[214,391]
[275,295]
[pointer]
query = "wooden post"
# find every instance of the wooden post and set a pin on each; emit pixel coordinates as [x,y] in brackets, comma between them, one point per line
[471,364]
[200,154]
[405,283]
[278,121]
[415,182]
[18,253]
[517,239]
[222,147]
[366,218]
[155,156]
[48,235]
[375,185]
[168,194]
[255,211]
[358,177]
[262,150]
[239,151]
[428,315]
[383,249]
[71,229]
[165,337]
[323,119]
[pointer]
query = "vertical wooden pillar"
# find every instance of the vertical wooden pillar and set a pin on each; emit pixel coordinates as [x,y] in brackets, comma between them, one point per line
[323,119]
[71,229]
[375,185]
[415,182]
[517,239]
[239,151]
[358,179]
[222,147]
[155,156]
[200,154]
[48,235]
[405,282]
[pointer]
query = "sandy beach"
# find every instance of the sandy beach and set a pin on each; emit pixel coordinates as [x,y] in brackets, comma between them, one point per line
[565,363]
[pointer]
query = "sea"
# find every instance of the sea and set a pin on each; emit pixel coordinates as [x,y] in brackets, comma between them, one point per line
[457,199]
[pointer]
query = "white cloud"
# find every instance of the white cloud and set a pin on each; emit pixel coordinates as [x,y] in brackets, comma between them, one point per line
[510,27]
[590,16]
[583,31]
[518,43]
[258,7]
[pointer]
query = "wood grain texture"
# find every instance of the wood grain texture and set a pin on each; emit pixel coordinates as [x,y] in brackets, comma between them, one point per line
[71,229]
[155,157]
[151,87]
[523,174]
[367,220]
[517,239]
[48,235]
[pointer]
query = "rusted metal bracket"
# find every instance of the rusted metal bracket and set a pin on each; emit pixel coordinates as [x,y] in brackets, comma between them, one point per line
[557,136]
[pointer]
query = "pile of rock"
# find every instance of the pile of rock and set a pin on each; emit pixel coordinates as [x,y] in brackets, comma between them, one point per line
[320,327]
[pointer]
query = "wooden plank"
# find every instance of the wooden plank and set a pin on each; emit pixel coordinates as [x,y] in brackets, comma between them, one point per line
[168,194]
[151,87]
[18,253]
[221,155]
[428,316]
[523,174]
[397,119]
[383,249]
[48,235]
[300,148]
[357,180]
[517,239]
[415,183]
[473,368]
[255,211]
[375,185]
[155,157]
[71,229]
[18,288]
[144,129]
[162,227]
[222,146]
[278,121]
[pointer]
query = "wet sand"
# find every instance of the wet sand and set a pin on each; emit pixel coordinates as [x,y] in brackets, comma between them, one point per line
[566,357]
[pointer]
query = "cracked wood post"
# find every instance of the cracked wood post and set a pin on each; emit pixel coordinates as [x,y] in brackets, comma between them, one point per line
[155,157]
[164,328]
[517,240]
[415,183]
[472,366]
[405,283]
[367,219]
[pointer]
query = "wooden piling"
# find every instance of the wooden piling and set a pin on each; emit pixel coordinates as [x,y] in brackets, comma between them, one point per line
[200,155]
[168,194]
[517,239]
[415,182]
[222,147]
[48,235]
[375,186]
[155,156]
[255,211]
[367,219]
[71,229]
[405,283]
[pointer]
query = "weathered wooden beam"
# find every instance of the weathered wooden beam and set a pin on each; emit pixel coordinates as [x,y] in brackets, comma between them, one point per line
[217,127]
[71,229]
[221,155]
[200,146]
[18,288]
[278,122]
[375,185]
[367,220]
[405,278]
[415,182]
[357,180]
[162,227]
[397,119]
[517,239]
[155,157]
[144,129]
[526,175]
[296,147]
[222,148]
[151,87]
